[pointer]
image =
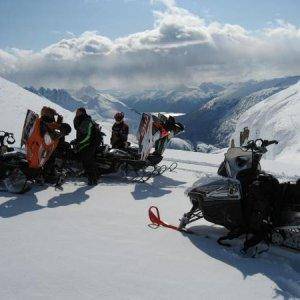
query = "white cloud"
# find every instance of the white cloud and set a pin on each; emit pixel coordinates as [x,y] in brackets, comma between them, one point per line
[167,3]
[180,48]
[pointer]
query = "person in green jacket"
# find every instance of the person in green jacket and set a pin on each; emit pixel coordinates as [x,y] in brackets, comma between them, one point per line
[86,144]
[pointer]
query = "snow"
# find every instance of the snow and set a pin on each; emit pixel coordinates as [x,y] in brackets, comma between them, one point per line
[167,114]
[180,144]
[277,118]
[14,102]
[94,243]
[206,148]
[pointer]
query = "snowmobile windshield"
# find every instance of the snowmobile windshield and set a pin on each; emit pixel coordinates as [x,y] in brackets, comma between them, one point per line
[237,160]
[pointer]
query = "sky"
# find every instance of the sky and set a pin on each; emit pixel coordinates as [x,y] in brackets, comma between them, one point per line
[109,42]
[32,24]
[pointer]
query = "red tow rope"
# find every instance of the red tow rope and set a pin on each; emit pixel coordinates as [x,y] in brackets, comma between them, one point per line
[154,217]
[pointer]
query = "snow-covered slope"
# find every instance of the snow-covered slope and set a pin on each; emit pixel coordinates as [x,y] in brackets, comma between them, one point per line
[277,117]
[215,121]
[94,243]
[14,102]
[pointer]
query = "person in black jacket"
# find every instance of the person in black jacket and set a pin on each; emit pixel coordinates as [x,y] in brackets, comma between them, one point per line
[52,126]
[86,144]
[120,132]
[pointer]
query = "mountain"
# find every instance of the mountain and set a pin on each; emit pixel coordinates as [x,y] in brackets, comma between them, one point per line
[100,105]
[86,91]
[215,121]
[181,99]
[58,96]
[209,111]
[277,117]
[104,106]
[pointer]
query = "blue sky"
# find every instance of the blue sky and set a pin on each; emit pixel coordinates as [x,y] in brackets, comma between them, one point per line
[136,44]
[35,24]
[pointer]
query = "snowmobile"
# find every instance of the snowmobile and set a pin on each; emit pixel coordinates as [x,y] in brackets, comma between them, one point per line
[153,132]
[13,165]
[134,163]
[16,173]
[247,201]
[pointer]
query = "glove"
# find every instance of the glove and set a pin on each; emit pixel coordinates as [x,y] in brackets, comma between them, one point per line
[74,147]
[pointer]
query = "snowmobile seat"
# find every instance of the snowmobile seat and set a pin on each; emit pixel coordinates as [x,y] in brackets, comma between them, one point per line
[238,160]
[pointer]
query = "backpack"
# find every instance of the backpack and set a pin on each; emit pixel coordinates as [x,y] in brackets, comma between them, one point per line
[97,134]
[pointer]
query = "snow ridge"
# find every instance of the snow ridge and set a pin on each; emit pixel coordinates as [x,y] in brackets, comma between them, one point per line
[277,118]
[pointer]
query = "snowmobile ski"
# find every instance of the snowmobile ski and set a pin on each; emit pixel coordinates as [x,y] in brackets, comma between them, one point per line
[157,170]
[157,222]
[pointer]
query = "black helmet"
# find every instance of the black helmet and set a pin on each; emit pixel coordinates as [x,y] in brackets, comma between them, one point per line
[65,128]
[119,116]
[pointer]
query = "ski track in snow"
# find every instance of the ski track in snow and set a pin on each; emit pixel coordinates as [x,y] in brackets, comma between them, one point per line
[194,163]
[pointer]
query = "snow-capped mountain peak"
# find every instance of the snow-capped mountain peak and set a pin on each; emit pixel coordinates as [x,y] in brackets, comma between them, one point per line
[277,117]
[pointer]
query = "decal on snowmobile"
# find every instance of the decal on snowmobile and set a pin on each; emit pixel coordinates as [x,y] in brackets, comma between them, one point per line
[145,136]
[30,118]
[39,148]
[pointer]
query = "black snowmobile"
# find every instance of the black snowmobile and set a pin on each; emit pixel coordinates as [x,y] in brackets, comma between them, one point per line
[13,165]
[134,163]
[153,132]
[248,201]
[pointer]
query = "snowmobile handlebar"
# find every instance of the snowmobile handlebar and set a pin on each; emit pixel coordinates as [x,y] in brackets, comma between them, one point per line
[268,143]
[259,145]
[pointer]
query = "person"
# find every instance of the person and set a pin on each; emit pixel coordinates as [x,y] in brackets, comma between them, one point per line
[48,123]
[42,143]
[86,143]
[120,132]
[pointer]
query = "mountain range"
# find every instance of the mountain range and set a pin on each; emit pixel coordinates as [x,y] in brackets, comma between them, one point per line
[209,111]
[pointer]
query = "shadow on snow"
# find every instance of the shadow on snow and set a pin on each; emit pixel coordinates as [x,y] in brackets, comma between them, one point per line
[160,186]
[282,271]
[29,202]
